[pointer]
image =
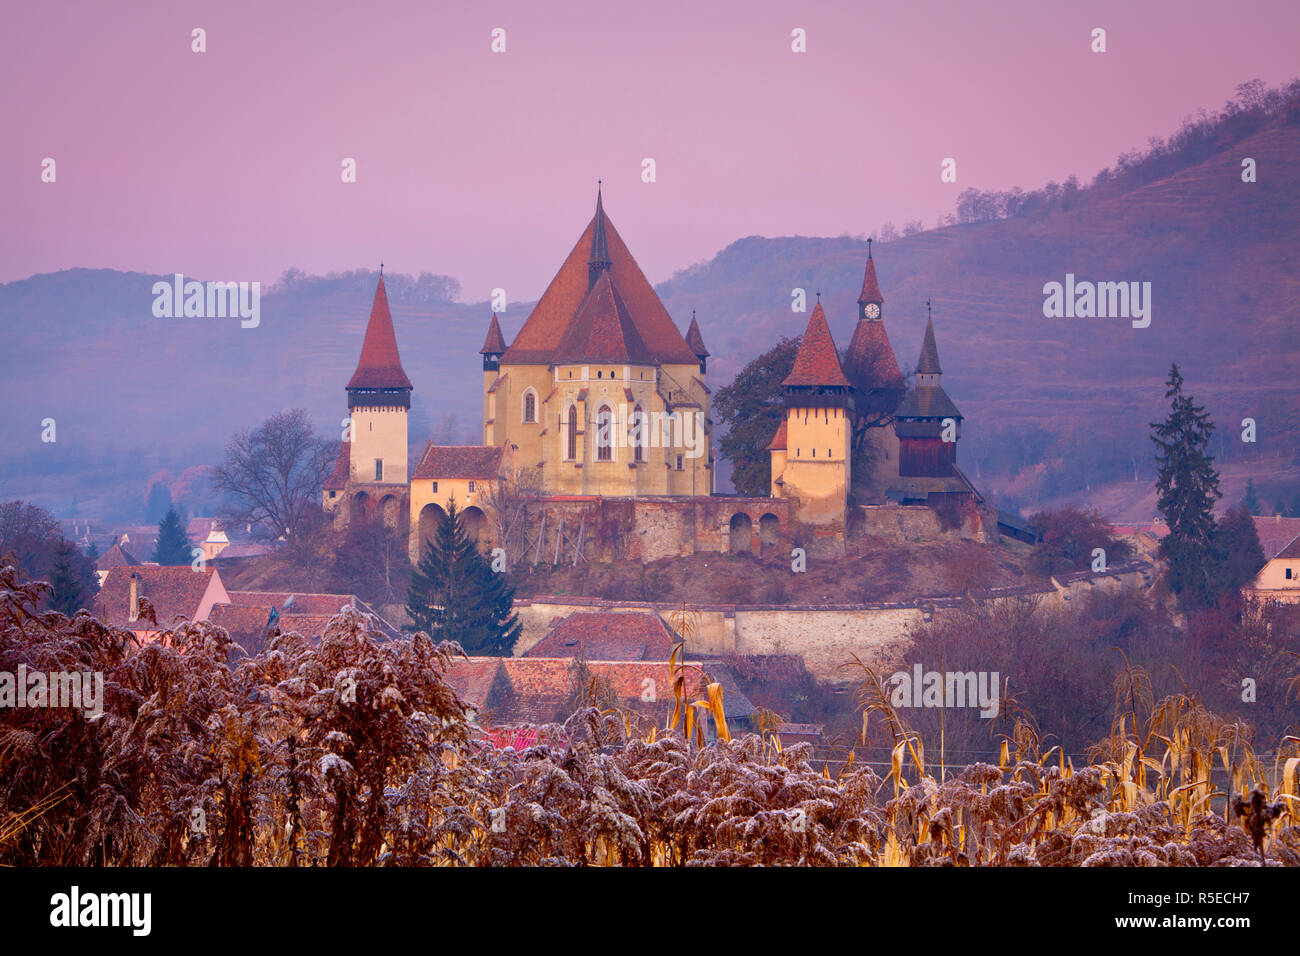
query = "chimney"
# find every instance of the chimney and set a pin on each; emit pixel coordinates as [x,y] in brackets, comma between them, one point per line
[133,605]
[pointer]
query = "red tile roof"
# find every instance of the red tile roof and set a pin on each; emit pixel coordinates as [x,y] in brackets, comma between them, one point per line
[870,363]
[380,366]
[602,330]
[338,479]
[459,461]
[870,287]
[1292,550]
[1275,532]
[817,362]
[536,342]
[173,592]
[294,602]
[495,343]
[607,636]
[778,442]
[245,625]
[116,557]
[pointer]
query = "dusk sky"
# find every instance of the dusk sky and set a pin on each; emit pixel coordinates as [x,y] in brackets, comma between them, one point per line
[226,164]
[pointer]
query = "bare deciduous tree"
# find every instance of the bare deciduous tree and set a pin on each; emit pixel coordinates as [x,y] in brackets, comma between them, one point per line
[274,473]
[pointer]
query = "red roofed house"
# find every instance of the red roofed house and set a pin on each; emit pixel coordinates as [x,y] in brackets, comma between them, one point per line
[172,592]
[115,557]
[607,636]
[514,691]
[1279,579]
[468,473]
[370,472]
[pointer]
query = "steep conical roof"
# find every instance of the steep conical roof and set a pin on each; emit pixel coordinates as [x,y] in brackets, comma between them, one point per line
[546,325]
[599,261]
[495,343]
[380,366]
[870,362]
[602,330]
[929,361]
[817,362]
[870,287]
[694,339]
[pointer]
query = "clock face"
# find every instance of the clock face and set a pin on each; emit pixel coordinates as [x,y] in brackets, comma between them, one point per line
[871,310]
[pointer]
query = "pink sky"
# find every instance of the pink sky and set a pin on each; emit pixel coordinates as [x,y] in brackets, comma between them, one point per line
[226,165]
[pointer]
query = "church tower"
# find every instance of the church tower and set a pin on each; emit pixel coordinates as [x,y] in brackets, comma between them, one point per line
[928,423]
[494,346]
[814,466]
[379,398]
[871,366]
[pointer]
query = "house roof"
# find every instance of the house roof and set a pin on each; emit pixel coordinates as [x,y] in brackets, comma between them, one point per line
[607,636]
[379,366]
[495,343]
[542,686]
[778,442]
[870,362]
[245,625]
[173,591]
[817,362]
[928,364]
[459,461]
[547,323]
[1291,551]
[695,339]
[602,330]
[927,401]
[1275,532]
[115,557]
[338,479]
[294,602]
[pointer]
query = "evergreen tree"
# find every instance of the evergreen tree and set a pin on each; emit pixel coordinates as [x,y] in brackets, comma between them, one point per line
[1187,487]
[456,596]
[157,503]
[92,551]
[1251,501]
[173,547]
[69,575]
[1238,554]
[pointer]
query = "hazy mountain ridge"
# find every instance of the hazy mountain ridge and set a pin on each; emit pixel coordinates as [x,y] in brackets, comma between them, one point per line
[132,393]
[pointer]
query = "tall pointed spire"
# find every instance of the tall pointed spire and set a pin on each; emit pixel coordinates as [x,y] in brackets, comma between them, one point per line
[870,286]
[929,361]
[495,343]
[599,261]
[380,367]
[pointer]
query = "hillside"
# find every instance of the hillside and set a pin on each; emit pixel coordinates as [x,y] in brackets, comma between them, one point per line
[1056,408]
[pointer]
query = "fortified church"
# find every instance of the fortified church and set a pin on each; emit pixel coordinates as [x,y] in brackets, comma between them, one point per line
[598,440]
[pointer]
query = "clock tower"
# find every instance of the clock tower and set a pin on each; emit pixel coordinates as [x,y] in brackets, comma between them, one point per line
[870,303]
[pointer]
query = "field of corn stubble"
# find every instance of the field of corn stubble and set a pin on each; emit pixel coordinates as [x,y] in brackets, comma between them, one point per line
[204,758]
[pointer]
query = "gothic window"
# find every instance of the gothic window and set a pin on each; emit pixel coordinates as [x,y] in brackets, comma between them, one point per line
[573,432]
[604,434]
[530,406]
[636,434]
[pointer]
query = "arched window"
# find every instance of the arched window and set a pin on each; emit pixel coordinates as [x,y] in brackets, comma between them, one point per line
[637,434]
[530,406]
[573,432]
[604,434]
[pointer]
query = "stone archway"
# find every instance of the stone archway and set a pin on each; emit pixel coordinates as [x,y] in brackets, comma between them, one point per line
[742,530]
[390,508]
[431,516]
[362,505]
[475,523]
[769,532]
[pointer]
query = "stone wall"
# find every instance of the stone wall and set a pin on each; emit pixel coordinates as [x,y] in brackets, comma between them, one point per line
[826,636]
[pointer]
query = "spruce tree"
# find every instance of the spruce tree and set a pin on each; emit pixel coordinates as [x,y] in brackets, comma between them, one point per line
[1237,551]
[1187,487]
[1251,501]
[173,547]
[66,578]
[456,596]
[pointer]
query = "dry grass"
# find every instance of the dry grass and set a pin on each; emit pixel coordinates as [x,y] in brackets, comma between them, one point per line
[355,752]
